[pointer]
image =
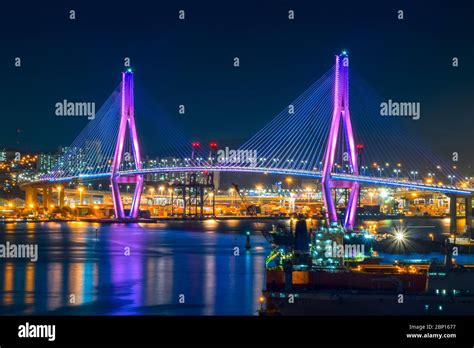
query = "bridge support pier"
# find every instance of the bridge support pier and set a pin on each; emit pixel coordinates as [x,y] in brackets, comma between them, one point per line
[61,198]
[47,195]
[340,113]
[127,119]
[452,213]
[31,196]
[468,210]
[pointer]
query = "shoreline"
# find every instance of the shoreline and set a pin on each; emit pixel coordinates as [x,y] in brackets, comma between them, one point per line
[218,218]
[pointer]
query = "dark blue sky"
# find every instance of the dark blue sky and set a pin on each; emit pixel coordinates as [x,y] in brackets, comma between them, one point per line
[190,62]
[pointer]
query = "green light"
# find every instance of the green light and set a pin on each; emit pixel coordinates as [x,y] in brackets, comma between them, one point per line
[247,233]
[344,52]
[129,70]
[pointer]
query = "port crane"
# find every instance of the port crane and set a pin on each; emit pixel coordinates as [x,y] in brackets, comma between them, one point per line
[251,209]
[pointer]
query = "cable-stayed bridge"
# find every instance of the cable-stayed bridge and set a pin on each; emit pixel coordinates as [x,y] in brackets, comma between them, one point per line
[314,137]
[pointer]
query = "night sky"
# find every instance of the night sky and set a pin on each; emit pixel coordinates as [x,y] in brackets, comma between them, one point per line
[191,62]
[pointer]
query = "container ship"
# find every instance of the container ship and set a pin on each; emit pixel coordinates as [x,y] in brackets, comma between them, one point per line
[315,269]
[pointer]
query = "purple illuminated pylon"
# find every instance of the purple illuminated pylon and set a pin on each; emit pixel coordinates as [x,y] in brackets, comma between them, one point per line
[127,118]
[340,113]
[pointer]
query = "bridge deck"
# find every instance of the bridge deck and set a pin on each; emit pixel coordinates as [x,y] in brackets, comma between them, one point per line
[305,173]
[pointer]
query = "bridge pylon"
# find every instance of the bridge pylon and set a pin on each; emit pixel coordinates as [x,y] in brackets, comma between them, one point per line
[341,115]
[127,120]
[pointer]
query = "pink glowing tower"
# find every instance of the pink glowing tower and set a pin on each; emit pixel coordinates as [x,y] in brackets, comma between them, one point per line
[340,115]
[127,118]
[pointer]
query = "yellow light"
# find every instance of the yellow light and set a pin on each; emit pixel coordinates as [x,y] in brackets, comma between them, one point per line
[31,206]
[80,189]
[258,187]
[96,207]
[261,299]
[51,206]
[399,236]
[289,180]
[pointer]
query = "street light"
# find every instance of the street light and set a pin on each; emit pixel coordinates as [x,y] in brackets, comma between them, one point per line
[451,178]
[397,171]
[414,173]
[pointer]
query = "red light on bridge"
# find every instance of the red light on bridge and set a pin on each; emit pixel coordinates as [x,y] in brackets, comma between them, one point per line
[213,145]
[360,146]
[196,144]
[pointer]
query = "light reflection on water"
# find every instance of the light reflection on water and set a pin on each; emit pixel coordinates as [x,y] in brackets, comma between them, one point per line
[77,273]
[80,274]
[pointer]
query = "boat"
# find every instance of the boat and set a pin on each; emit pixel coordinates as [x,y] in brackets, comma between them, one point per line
[325,270]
